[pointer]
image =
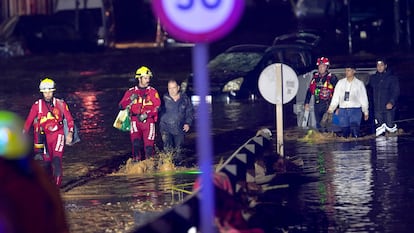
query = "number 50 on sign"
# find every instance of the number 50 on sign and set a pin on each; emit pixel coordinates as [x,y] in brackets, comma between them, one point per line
[198,20]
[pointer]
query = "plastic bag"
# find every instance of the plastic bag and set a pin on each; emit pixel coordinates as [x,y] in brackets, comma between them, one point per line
[123,121]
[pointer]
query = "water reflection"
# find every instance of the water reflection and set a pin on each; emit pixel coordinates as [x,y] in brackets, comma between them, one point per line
[92,117]
[353,183]
[387,178]
[386,147]
[118,203]
[359,187]
[157,190]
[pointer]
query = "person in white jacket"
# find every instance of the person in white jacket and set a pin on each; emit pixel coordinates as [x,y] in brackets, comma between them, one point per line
[351,96]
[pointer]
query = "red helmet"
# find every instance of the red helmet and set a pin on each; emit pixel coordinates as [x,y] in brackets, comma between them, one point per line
[322,60]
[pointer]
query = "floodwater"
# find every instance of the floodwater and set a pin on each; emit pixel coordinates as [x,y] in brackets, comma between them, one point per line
[362,185]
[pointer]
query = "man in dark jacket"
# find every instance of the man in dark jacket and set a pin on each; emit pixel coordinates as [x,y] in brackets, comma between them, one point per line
[176,118]
[385,92]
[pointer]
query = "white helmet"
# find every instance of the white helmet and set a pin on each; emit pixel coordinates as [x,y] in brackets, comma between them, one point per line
[46,85]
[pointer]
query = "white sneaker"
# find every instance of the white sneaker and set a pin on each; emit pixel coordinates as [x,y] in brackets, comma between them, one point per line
[380,130]
[393,129]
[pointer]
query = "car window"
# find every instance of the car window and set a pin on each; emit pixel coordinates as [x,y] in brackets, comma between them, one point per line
[298,59]
[60,32]
[239,61]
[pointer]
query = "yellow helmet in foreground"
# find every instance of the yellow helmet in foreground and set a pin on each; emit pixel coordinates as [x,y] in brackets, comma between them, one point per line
[14,144]
[46,85]
[142,71]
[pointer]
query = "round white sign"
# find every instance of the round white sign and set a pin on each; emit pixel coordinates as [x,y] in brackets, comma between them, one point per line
[268,86]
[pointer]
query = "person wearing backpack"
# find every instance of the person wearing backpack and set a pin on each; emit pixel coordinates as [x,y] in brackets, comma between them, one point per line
[47,118]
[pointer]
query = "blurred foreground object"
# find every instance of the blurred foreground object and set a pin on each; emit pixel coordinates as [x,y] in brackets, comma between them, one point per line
[29,202]
[13,143]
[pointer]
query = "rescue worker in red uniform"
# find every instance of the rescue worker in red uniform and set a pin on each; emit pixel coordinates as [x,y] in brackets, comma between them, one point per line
[46,116]
[29,202]
[143,102]
[321,87]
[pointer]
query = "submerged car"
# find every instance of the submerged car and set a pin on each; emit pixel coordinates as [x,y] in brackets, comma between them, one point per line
[235,72]
[27,34]
[228,70]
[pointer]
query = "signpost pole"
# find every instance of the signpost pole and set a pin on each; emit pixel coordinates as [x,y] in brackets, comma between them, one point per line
[204,142]
[279,109]
[201,22]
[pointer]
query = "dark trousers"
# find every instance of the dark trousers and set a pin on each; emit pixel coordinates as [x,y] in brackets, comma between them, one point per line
[172,141]
[385,116]
[320,109]
[350,121]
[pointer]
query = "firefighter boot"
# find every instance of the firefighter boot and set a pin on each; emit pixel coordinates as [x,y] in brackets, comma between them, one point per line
[57,170]
[149,152]
[47,166]
[392,129]
[380,130]
[58,180]
[136,152]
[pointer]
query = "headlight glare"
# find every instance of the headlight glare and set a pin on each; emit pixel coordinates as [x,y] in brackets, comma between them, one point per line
[233,85]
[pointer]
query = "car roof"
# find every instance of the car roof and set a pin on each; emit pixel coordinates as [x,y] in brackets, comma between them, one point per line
[302,37]
[291,46]
[247,48]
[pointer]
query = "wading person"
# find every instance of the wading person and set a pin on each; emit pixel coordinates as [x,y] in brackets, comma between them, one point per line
[143,102]
[385,92]
[29,202]
[46,115]
[176,119]
[351,96]
[321,87]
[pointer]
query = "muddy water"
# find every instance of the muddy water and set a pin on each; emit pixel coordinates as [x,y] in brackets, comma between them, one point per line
[352,186]
[362,186]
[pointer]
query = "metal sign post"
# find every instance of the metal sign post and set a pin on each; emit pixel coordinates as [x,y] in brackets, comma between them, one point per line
[278,84]
[201,21]
[279,109]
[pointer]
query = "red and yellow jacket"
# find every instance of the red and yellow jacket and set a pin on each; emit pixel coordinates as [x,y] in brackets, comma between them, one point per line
[322,87]
[48,117]
[148,101]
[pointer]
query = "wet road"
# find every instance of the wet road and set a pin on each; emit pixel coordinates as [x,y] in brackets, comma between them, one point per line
[360,186]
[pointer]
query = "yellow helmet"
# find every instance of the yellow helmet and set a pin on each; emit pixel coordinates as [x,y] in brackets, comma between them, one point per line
[46,85]
[14,144]
[143,70]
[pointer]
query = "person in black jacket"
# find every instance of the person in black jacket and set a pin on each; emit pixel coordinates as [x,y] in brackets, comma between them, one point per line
[176,118]
[385,92]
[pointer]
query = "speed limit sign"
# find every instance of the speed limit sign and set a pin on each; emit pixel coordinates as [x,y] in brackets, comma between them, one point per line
[198,20]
